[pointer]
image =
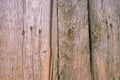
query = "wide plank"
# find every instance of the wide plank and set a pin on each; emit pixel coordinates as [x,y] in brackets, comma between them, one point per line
[73,36]
[11,39]
[36,53]
[105,43]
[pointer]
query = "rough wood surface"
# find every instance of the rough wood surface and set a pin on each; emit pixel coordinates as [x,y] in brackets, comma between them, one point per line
[59,40]
[74,57]
[24,39]
[54,42]
[105,45]
[11,18]
[36,39]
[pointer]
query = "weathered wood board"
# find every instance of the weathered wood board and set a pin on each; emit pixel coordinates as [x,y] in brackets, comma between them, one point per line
[105,43]
[73,35]
[11,39]
[36,39]
[24,39]
[59,40]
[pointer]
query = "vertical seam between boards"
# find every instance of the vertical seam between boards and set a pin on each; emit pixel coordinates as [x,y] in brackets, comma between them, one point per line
[90,40]
[51,54]
[58,76]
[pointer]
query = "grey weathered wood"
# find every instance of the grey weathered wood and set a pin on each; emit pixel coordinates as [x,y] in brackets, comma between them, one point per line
[11,26]
[74,56]
[104,20]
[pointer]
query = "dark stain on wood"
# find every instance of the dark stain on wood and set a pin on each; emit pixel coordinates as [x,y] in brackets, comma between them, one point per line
[23,32]
[39,31]
[111,25]
[31,28]
[106,23]
[71,32]
[108,36]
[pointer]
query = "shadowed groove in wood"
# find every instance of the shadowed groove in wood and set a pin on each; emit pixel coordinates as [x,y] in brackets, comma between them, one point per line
[58,56]
[90,39]
[51,67]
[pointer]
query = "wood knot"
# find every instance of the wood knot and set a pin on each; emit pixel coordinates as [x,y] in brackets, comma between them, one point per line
[71,31]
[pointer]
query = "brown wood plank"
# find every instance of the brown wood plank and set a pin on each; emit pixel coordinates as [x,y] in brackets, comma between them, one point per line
[24,39]
[11,26]
[74,55]
[54,42]
[104,20]
[36,39]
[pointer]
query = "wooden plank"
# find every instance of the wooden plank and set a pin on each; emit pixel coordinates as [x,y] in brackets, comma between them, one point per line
[54,42]
[36,39]
[25,39]
[104,20]
[11,26]
[74,55]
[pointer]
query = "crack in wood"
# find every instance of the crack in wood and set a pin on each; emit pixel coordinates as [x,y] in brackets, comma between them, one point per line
[90,39]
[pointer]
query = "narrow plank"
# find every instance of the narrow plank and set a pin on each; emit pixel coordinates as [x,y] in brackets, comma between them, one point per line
[54,42]
[104,20]
[36,39]
[74,55]
[11,25]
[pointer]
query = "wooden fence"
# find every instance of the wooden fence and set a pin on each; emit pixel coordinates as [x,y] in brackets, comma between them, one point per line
[59,39]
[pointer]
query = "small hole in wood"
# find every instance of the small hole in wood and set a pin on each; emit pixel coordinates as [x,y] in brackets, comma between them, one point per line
[106,22]
[31,28]
[23,32]
[111,25]
[39,31]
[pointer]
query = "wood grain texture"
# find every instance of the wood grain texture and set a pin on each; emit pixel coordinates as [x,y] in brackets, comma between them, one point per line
[104,20]
[54,42]
[24,39]
[11,25]
[36,39]
[74,55]
[59,40]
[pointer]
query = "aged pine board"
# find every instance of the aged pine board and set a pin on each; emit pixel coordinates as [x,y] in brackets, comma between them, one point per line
[11,26]
[105,43]
[73,36]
